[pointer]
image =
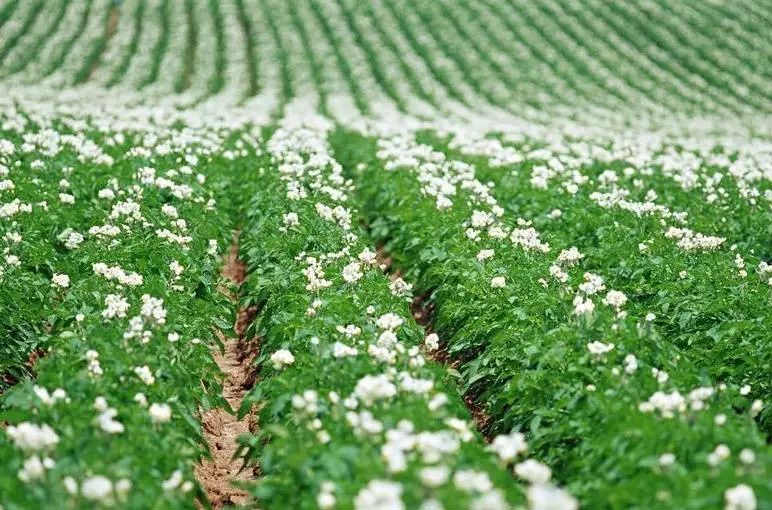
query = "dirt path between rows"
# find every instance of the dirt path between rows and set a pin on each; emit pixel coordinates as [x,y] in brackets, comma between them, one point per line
[221,428]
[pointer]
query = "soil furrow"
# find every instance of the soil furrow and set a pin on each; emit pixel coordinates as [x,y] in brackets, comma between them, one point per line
[221,427]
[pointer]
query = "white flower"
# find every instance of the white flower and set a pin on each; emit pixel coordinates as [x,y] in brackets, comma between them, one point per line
[401,288]
[583,306]
[122,487]
[176,268]
[97,488]
[117,306]
[431,504]
[533,471]
[325,500]
[70,485]
[153,310]
[509,446]
[140,399]
[374,387]
[160,413]
[740,497]
[368,256]
[615,299]
[555,214]
[667,459]
[106,194]
[721,453]
[341,350]
[60,280]
[747,456]
[47,398]
[434,476]
[290,219]
[490,500]
[145,374]
[597,348]
[31,437]
[33,468]
[470,481]
[485,255]
[570,256]
[631,363]
[282,358]
[352,272]
[756,407]
[389,321]
[106,416]
[432,342]
[174,481]
[498,282]
[380,495]
[547,497]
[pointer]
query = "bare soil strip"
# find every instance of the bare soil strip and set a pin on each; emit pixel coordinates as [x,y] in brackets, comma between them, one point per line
[110,28]
[221,428]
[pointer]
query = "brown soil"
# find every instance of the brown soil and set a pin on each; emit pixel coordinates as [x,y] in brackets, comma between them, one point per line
[112,21]
[110,28]
[222,428]
[32,359]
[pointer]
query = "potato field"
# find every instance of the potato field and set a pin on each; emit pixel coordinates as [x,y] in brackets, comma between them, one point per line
[386,254]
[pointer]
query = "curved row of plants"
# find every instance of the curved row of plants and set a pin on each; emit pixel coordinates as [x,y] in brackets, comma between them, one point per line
[695,256]
[118,265]
[624,416]
[353,413]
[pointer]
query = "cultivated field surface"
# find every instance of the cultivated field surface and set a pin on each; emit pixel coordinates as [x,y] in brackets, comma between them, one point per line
[386,254]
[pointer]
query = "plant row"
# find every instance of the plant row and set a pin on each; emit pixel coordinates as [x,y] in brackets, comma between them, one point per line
[625,416]
[115,240]
[709,290]
[353,412]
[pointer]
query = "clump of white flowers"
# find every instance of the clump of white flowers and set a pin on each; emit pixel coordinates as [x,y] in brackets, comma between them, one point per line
[401,288]
[145,375]
[352,272]
[374,387]
[380,495]
[432,342]
[509,446]
[740,497]
[94,367]
[282,358]
[160,413]
[498,282]
[31,437]
[116,307]
[533,471]
[290,219]
[598,349]
[547,497]
[61,281]
[326,497]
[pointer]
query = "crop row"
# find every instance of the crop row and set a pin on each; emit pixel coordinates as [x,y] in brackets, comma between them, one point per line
[644,232]
[439,59]
[353,412]
[625,413]
[110,269]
